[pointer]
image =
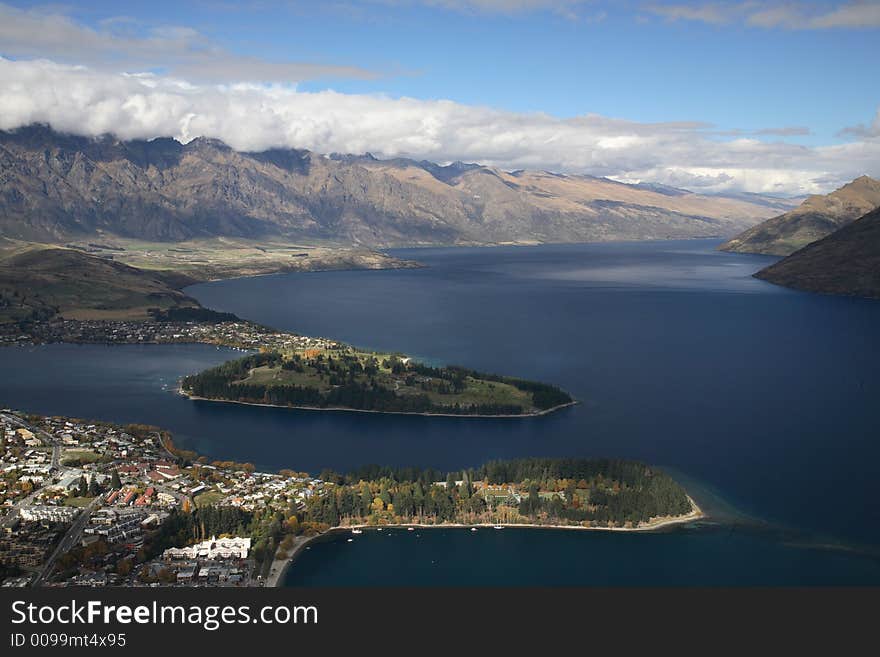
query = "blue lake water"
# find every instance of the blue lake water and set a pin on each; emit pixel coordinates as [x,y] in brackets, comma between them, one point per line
[761,398]
[697,556]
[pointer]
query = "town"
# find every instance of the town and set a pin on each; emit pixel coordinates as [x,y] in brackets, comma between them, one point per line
[237,334]
[89,503]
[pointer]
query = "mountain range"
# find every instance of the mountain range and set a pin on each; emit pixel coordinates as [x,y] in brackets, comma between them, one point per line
[58,187]
[816,218]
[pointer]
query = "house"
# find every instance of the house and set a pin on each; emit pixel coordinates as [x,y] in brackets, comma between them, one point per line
[70,481]
[156,476]
[30,440]
[49,513]
[168,471]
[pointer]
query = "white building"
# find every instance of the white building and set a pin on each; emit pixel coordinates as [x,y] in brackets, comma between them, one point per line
[50,513]
[216,548]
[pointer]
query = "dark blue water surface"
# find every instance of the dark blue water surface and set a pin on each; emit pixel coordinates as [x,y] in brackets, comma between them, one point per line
[701,556]
[765,396]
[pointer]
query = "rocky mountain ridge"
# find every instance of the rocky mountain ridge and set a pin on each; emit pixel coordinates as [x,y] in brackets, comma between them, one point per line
[57,187]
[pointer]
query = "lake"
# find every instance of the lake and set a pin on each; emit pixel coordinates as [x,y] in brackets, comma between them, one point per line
[763,400]
[694,556]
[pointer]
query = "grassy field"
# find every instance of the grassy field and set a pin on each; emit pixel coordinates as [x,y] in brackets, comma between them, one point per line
[79,502]
[78,455]
[478,391]
[225,257]
[207,499]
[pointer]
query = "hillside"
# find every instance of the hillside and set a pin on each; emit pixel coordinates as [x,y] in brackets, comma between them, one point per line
[845,262]
[37,283]
[814,219]
[57,188]
[121,279]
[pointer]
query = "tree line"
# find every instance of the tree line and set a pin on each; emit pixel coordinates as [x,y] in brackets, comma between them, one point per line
[593,491]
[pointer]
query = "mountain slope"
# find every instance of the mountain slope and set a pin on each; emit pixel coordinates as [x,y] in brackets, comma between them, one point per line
[845,262]
[36,283]
[815,218]
[59,187]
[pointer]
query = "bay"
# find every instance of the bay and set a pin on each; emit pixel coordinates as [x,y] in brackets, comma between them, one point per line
[763,400]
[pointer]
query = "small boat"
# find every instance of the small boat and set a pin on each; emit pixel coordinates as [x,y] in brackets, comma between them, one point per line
[351,540]
[380,529]
[410,529]
[357,531]
[473,529]
[498,527]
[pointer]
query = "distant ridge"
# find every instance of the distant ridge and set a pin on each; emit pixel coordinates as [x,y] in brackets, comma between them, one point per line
[814,219]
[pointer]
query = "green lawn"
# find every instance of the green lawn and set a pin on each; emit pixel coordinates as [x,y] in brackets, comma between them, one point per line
[484,392]
[78,501]
[207,499]
[80,455]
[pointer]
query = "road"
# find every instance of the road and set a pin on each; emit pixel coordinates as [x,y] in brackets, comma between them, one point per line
[72,536]
[47,438]
[69,540]
[10,517]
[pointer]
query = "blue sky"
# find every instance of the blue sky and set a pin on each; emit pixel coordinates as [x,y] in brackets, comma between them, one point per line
[794,74]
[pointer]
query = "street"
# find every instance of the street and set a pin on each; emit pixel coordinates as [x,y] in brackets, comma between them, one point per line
[69,540]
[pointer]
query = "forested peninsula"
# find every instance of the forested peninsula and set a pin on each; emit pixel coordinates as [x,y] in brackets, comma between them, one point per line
[586,493]
[334,376]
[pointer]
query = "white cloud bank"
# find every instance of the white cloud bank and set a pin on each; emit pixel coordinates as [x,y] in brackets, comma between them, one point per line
[91,102]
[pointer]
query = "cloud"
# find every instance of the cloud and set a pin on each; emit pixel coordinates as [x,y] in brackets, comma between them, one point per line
[863,131]
[119,44]
[86,101]
[563,7]
[770,15]
[858,14]
[714,14]
[787,131]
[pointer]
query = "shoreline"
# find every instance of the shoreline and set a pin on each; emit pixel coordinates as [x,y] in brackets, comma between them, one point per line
[281,566]
[396,264]
[545,411]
